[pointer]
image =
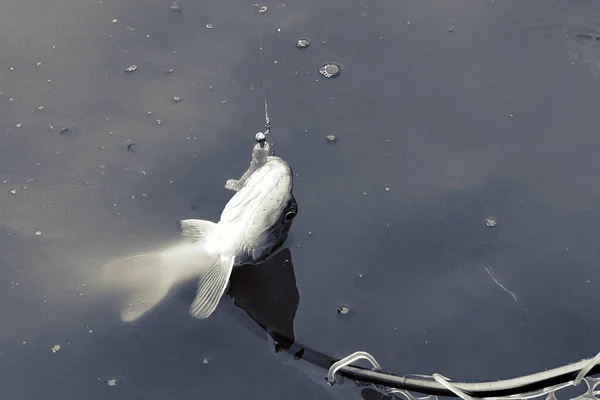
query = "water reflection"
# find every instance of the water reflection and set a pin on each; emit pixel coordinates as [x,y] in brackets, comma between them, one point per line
[268,294]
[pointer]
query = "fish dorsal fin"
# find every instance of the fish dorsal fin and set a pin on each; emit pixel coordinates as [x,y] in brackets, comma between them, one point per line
[211,286]
[197,229]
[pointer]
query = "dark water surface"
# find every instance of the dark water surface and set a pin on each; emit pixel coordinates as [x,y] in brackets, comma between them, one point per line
[463,109]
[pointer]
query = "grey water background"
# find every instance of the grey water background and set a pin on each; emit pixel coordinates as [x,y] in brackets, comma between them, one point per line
[463,109]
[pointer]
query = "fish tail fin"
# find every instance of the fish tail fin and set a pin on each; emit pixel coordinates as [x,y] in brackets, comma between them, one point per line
[211,286]
[145,277]
[148,277]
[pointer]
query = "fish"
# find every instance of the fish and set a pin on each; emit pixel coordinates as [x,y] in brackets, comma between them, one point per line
[254,224]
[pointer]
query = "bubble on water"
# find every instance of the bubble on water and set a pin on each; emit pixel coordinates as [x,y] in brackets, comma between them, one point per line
[330,70]
[13,191]
[158,122]
[176,99]
[491,221]
[64,130]
[331,138]
[18,125]
[40,108]
[209,26]
[114,21]
[55,348]
[175,7]
[302,43]
[111,382]
[343,310]
[38,233]
[450,29]
[170,71]
[387,188]
[131,68]
[262,9]
[205,360]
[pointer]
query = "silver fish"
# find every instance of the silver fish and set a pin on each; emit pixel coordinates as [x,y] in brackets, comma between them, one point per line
[253,225]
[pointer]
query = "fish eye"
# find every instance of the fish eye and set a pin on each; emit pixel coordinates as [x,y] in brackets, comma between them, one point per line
[290,215]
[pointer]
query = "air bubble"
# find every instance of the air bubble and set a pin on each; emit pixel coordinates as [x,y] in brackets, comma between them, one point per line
[343,310]
[302,43]
[131,68]
[331,138]
[330,70]
[174,7]
[491,221]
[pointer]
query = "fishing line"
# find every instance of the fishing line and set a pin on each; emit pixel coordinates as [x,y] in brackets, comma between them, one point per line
[264,85]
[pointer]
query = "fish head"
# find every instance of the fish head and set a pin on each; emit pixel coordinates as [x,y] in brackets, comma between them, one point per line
[263,210]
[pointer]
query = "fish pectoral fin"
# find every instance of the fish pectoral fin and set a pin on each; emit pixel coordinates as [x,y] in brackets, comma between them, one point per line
[197,229]
[211,286]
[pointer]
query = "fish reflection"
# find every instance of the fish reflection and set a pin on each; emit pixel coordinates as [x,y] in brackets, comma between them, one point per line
[268,294]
